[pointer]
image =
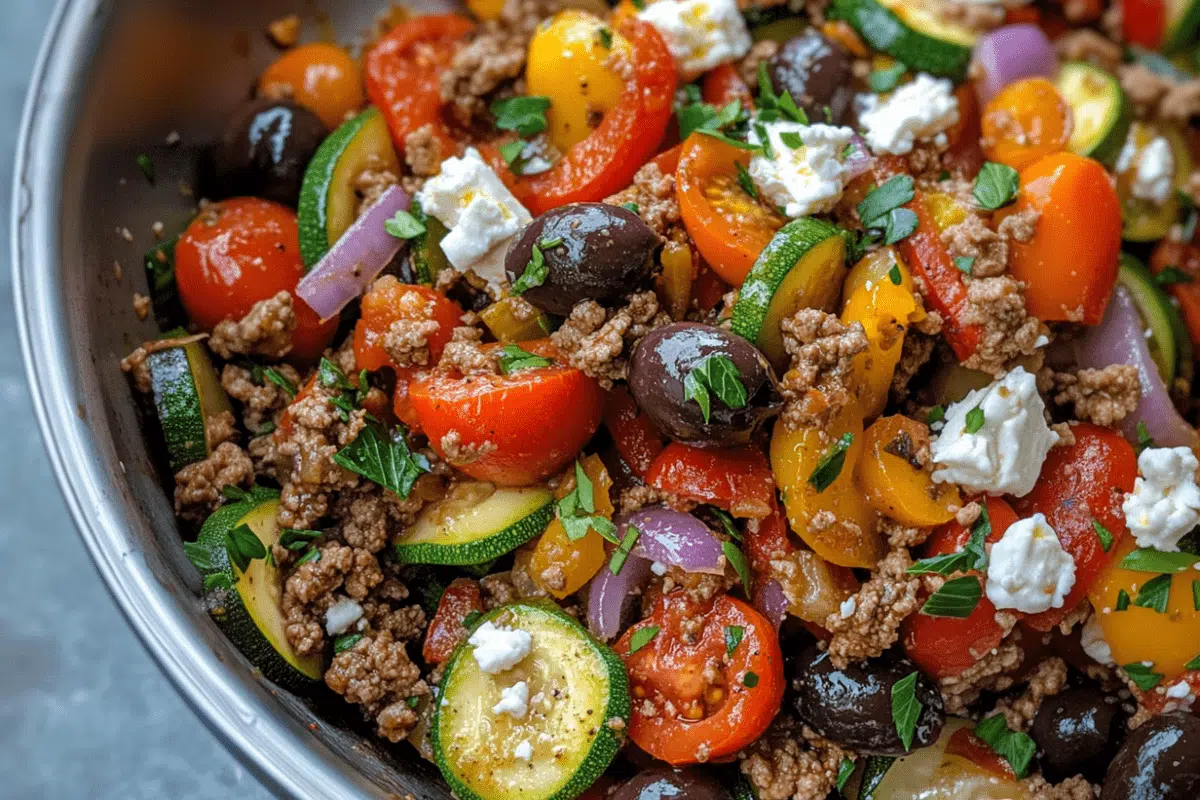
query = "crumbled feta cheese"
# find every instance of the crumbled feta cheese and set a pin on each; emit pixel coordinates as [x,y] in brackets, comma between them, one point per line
[701,34]
[658,568]
[804,180]
[341,615]
[1028,570]
[918,110]
[1165,502]
[498,649]
[1179,691]
[847,607]
[1005,455]
[1154,174]
[524,751]
[480,212]
[514,701]
[1091,636]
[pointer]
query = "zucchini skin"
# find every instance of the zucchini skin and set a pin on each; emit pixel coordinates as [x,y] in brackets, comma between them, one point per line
[177,403]
[1107,147]
[480,551]
[606,743]
[883,30]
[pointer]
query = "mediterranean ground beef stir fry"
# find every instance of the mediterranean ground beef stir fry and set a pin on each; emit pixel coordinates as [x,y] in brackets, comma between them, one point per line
[710,399]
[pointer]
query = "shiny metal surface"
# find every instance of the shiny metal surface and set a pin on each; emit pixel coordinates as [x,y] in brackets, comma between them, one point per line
[113,79]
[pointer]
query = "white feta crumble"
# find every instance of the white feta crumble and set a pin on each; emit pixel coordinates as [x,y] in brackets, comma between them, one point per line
[524,750]
[480,212]
[846,609]
[1154,172]
[1179,690]
[802,180]
[918,110]
[658,568]
[701,34]
[1164,505]
[1005,454]
[498,649]
[1028,570]
[514,701]
[341,615]
[1091,636]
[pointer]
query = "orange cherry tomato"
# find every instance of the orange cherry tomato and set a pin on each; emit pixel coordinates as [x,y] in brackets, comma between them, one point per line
[1082,484]
[635,437]
[946,646]
[461,597]
[1185,257]
[241,251]
[320,76]
[736,479]
[722,85]
[605,162]
[1027,120]
[403,72]
[1070,265]
[527,425]
[722,702]
[729,227]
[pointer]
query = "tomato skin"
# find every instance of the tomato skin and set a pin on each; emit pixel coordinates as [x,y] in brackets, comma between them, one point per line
[672,669]
[403,75]
[446,630]
[1144,22]
[321,76]
[1025,121]
[1069,267]
[736,479]
[944,646]
[537,419]
[635,437]
[1080,483]
[241,251]
[722,85]
[963,742]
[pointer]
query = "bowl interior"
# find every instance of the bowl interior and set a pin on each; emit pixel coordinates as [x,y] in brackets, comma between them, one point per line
[116,80]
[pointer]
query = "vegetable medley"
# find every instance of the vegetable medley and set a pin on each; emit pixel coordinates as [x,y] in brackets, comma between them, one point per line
[709,399]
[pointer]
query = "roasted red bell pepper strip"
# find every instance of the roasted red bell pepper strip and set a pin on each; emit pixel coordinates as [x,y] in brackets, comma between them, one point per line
[634,435]
[461,598]
[738,480]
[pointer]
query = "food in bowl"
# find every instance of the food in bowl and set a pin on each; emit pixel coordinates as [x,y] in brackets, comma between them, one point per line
[681,399]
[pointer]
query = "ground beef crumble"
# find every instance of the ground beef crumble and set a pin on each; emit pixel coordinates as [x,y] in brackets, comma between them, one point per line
[653,192]
[464,355]
[1103,396]
[972,238]
[1084,44]
[992,672]
[260,399]
[1048,679]
[423,152]
[879,607]
[459,454]
[1158,96]
[791,761]
[407,341]
[1076,788]
[198,486]
[599,341]
[265,331]
[378,675]
[997,305]
[822,350]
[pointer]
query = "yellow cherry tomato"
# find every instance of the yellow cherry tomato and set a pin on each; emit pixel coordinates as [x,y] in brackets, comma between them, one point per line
[893,484]
[485,9]
[562,566]
[1168,640]
[571,60]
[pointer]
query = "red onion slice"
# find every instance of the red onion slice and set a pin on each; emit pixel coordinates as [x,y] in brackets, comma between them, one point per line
[1120,338]
[355,259]
[609,595]
[771,601]
[1010,53]
[859,160]
[676,539]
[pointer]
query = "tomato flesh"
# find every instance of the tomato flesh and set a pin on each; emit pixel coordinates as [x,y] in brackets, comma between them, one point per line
[738,480]
[446,630]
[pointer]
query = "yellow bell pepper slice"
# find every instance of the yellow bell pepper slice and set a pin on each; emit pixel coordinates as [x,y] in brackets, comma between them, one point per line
[562,566]
[894,486]
[509,325]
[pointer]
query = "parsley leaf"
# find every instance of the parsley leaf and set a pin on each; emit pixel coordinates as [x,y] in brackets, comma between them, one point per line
[964,263]
[733,637]
[899,223]
[511,151]
[1147,559]
[1144,439]
[1196,595]
[738,143]
[297,539]
[514,359]
[830,466]
[632,206]
[217,580]
[404,225]
[146,165]
[199,555]
[330,375]
[845,770]
[279,379]
[312,555]
[974,420]
[606,38]
[1144,677]
[894,275]
[383,457]
[1154,594]
[1193,664]
[973,556]
[535,273]
[734,556]
[698,116]
[745,181]
[996,185]
[1122,600]
[346,642]
[1172,274]
[956,598]
[715,374]
[884,80]
[781,105]
[1104,534]
[726,522]
[1015,747]
[750,680]
[642,637]
[936,414]
[621,554]
[791,139]
[906,708]
[525,115]
[883,199]
[577,511]
[243,546]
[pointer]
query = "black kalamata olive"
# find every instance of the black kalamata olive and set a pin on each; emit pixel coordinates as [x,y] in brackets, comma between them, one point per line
[1160,760]
[265,149]
[664,783]
[592,251]
[661,364]
[816,72]
[1078,731]
[853,706]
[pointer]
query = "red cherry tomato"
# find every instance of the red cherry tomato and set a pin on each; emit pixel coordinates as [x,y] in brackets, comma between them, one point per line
[1082,484]
[723,701]
[241,251]
[634,435]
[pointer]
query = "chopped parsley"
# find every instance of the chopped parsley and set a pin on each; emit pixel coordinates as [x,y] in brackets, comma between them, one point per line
[642,637]
[1147,559]
[1193,664]
[701,116]
[733,637]
[577,511]
[974,420]
[733,555]
[1154,594]
[1104,534]
[956,598]
[606,38]
[745,181]
[632,206]
[514,359]
[404,225]
[964,264]
[279,379]
[791,139]
[1015,747]
[199,555]
[996,186]
[773,107]
[1144,677]
[384,457]
[146,165]
[1122,600]
[296,539]
[936,414]
[973,556]
[243,546]
[830,466]
[750,680]
[882,209]
[1196,595]
[621,554]
[346,642]
[511,153]
[526,115]
[894,275]
[312,555]
[715,374]
[1144,439]
[845,770]
[535,274]
[1172,274]
[906,708]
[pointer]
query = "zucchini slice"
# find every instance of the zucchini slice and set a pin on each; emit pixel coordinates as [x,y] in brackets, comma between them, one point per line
[1143,220]
[425,251]
[803,266]
[1100,109]
[576,687]
[328,199]
[249,613]
[1160,316]
[474,523]
[187,396]
[913,32]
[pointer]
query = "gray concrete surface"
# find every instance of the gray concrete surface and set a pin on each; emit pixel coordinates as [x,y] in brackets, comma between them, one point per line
[84,712]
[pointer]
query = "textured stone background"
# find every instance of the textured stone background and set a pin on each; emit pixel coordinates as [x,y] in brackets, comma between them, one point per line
[84,712]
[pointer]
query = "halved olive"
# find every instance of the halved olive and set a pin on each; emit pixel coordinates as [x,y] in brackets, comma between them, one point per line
[265,149]
[1160,760]
[816,72]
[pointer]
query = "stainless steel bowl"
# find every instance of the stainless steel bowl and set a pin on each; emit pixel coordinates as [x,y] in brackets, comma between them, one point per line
[113,79]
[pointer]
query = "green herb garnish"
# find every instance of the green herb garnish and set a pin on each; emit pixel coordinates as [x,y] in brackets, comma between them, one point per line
[906,708]
[830,466]
[1104,534]
[715,374]
[964,264]
[577,511]
[384,457]
[996,185]
[535,274]
[404,226]
[642,637]
[514,359]
[1014,747]
[974,420]
[733,637]
[956,598]
[526,115]
[1154,594]
[1147,559]
[1144,677]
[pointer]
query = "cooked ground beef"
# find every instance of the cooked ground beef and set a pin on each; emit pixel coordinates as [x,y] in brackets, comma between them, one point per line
[997,305]
[992,672]
[198,486]
[1076,788]
[407,341]
[1048,679]
[265,331]
[423,152]
[791,761]
[261,400]
[464,355]
[378,675]
[822,350]
[972,238]
[879,607]
[653,192]
[1103,396]
[1158,96]
[1084,44]
[599,341]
